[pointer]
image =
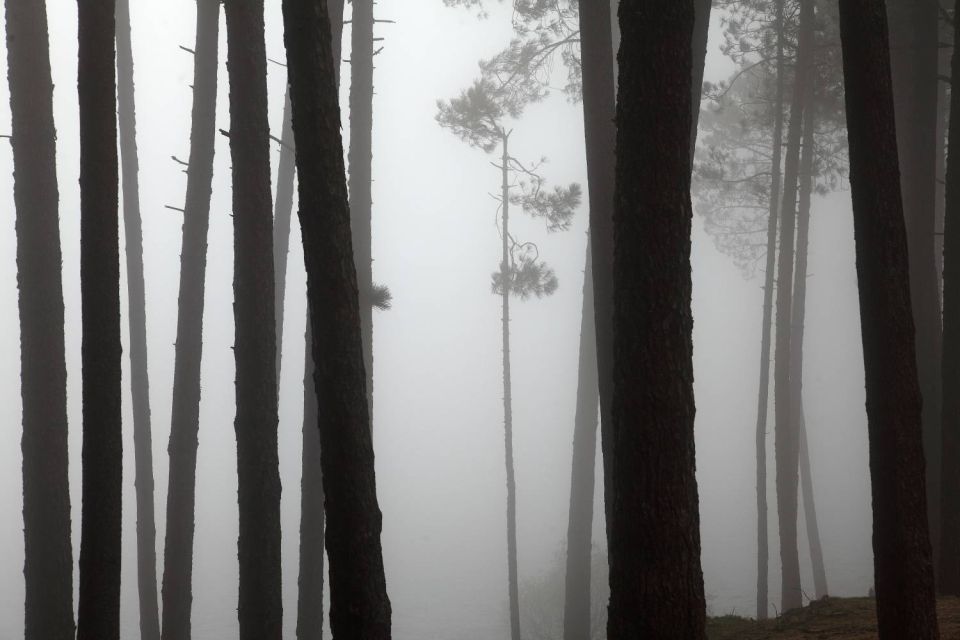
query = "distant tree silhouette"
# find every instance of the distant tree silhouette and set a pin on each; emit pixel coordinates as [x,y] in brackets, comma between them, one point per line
[903,567]
[478,117]
[359,605]
[656,583]
[177,589]
[99,606]
[48,557]
[260,608]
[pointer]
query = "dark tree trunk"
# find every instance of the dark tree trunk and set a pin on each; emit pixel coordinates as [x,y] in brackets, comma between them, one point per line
[361,172]
[282,210]
[48,557]
[914,56]
[577,596]
[359,606]
[260,608]
[177,590]
[139,380]
[796,347]
[785,433]
[99,605]
[763,399]
[599,97]
[310,614]
[901,542]
[949,582]
[656,583]
[701,31]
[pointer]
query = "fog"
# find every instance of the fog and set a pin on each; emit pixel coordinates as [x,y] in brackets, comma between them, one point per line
[438,422]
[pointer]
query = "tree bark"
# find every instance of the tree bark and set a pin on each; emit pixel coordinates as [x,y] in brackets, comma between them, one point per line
[949,577]
[914,56]
[797,342]
[577,596]
[656,583]
[903,567]
[260,608]
[137,306]
[310,614]
[48,556]
[177,590]
[99,604]
[359,606]
[785,433]
[360,183]
[763,399]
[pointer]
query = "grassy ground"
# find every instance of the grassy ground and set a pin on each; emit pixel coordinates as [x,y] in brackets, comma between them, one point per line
[827,619]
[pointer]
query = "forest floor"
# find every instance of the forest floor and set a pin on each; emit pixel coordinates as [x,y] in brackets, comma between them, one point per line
[827,619]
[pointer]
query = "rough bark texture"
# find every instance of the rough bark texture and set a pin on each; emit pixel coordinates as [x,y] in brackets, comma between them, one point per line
[763,397]
[949,582]
[796,357]
[310,613]
[99,605]
[901,543]
[137,309]
[656,583]
[577,605]
[177,591]
[48,557]
[914,39]
[359,606]
[599,96]
[513,582]
[785,433]
[260,607]
[361,172]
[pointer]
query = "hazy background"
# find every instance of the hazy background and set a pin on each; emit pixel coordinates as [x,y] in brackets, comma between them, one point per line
[438,411]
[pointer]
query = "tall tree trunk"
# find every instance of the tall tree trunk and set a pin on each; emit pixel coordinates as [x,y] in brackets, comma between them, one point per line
[310,614]
[763,536]
[512,577]
[901,542]
[657,592]
[137,306]
[599,96]
[785,433]
[359,606]
[48,557]
[361,172]
[914,55]
[949,577]
[99,605]
[577,596]
[797,339]
[260,608]
[701,32]
[177,592]
[282,212]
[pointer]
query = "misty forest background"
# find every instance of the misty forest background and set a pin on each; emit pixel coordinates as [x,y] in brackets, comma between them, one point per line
[436,124]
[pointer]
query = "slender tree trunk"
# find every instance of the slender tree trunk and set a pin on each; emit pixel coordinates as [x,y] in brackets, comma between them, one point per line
[901,542]
[797,342]
[577,596]
[786,436]
[361,172]
[310,614]
[260,608]
[139,380]
[359,606]
[763,536]
[282,212]
[48,557]
[512,578]
[177,590]
[949,582]
[914,55]
[658,592]
[99,605]
[599,95]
